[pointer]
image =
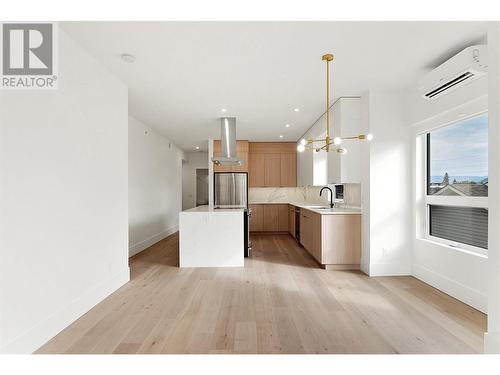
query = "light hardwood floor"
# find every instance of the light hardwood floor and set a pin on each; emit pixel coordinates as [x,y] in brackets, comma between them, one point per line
[280,302]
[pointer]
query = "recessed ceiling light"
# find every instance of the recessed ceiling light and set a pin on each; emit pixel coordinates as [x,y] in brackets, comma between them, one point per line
[281,135]
[287,125]
[224,110]
[128,58]
[197,147]
[297,109]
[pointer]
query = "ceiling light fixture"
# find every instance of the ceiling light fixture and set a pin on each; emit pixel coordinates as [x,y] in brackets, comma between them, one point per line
[296,110]
[325,143]
[287,125]
[197,147]
[128,58]
[281,135]
[223,110]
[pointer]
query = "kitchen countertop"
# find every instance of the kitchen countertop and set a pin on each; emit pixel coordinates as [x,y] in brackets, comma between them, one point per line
[212,209]
[314,208]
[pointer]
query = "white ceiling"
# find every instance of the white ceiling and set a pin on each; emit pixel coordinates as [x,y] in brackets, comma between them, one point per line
[185,72]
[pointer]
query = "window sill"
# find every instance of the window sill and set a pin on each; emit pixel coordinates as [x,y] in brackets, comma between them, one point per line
[460,249]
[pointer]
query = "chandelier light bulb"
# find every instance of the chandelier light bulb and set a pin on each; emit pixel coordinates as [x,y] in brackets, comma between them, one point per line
[303,142]
[342,151]
[337,140]
[301,148]
[369,137]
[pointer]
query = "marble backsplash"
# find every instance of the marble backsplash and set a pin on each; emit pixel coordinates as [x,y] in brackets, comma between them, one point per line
[352,195]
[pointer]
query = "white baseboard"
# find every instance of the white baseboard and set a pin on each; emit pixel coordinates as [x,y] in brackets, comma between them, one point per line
[455,289]
[389,269]
[140,246]
[492,343]
[43,331]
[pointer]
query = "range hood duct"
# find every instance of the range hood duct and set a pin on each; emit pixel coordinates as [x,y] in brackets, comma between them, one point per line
[227,143]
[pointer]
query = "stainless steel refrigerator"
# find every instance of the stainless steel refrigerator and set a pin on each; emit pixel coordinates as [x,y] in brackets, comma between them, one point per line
[231,191]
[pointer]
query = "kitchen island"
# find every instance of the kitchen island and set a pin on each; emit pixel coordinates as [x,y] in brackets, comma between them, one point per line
[211,237]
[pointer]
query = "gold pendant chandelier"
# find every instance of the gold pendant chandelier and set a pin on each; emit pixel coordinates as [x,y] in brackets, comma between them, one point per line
[328,143]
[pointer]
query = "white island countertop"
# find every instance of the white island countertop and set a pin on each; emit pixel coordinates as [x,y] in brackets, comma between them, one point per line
[215,210]
[317,208]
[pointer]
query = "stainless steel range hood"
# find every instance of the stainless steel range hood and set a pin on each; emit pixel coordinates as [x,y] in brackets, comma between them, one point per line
[227,143]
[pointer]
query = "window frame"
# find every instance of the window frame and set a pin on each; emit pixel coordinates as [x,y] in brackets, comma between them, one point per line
[456,201]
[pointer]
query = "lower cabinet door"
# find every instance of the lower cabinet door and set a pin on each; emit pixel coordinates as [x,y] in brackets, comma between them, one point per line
[271,214]
[316,237]
[257,218]
[283,218]
[310,233]
[305,230]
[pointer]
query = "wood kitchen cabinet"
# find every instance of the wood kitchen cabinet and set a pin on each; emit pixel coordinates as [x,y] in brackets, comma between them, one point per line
[282,217]
[241,153]
[269,218]
[341,239]
[256,170]
[333,240]
[272,170]
[271,212]
[288,170]
[272,164]
[257,218]
[310,232]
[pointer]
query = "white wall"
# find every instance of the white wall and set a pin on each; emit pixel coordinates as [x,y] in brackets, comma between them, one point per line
[492,338]
[193,161]
[155,186]
[458,273]
[63,199]
[210,173]
[386,186]
[365,186]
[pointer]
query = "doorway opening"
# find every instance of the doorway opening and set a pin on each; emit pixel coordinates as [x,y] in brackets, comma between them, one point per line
[201,187]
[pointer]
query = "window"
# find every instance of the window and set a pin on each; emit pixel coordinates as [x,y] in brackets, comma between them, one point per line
[457,184]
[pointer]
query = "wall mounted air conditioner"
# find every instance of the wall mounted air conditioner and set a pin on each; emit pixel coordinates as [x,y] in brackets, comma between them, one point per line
[463,68]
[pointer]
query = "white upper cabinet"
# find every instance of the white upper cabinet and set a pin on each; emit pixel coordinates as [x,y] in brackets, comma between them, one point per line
[346,121]
[329,168]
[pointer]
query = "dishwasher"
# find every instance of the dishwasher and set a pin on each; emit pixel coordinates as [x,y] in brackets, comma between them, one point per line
[297,224]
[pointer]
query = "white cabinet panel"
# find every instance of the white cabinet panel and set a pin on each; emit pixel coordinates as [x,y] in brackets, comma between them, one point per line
[347,122]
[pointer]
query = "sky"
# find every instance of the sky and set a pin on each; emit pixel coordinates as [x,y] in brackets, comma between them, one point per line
[461,149]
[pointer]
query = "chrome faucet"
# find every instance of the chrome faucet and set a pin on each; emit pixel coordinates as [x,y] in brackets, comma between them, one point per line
[331,195]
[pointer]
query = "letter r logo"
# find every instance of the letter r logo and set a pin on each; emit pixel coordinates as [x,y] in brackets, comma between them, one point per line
[27,49]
